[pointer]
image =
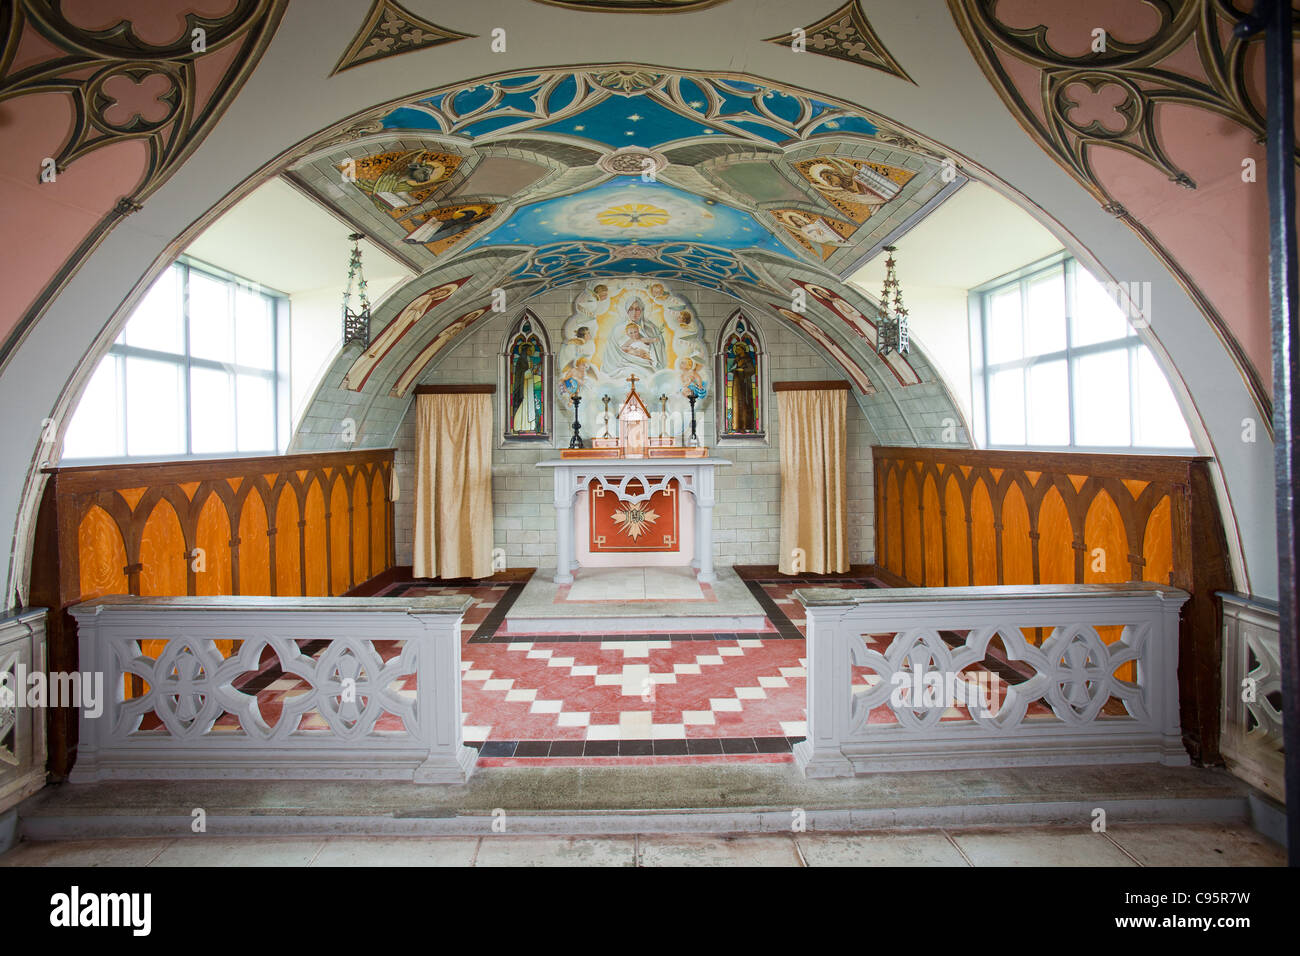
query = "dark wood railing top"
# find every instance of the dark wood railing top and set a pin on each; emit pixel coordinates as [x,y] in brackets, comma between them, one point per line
[1168,467]
[143,474]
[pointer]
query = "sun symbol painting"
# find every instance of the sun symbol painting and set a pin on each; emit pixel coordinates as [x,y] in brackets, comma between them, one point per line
[624,327]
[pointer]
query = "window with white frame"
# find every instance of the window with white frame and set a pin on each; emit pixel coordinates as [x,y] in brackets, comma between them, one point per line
[1058,365]
[195,373]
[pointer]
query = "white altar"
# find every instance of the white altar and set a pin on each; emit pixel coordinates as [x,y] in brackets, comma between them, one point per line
[616,476]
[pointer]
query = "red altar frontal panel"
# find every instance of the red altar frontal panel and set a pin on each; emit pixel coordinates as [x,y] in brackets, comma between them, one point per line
[624,526]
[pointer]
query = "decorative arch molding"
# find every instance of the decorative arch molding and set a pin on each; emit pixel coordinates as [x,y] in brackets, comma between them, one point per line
[743,381]
[526,383]
[123,84]
[177,218]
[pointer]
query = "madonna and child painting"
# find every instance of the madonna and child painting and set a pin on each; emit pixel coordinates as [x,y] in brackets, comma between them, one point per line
[624,327]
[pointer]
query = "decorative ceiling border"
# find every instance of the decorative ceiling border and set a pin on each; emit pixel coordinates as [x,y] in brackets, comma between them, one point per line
[1146,82]
[87,60]
[390,30]
[847,34]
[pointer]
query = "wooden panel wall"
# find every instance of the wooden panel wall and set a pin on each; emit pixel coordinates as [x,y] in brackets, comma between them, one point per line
[319,524]
[960,517]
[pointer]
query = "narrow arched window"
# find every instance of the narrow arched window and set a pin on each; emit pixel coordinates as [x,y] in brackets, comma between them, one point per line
[742,371]
[526,407]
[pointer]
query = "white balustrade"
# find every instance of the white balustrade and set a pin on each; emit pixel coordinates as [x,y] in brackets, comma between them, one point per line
[1251,729]
[1059,700]
[350,711]
[22,713]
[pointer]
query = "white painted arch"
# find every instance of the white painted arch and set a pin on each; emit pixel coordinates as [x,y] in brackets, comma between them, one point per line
[290,97]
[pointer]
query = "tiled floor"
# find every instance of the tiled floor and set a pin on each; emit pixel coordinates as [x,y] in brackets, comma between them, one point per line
[1120,846]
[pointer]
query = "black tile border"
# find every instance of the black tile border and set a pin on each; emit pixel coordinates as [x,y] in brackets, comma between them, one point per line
[689,747]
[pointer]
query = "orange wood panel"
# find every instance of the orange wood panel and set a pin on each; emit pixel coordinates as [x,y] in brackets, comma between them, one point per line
[360,527]
[131,496]
[913,557]
[340,535]
[1055,541]
[212,535]
[315,555]
[982,534]
[1017,556]
[378,523]
[955,529]
[101,555]
[933,545]
[254,546]
[1158,545]
[894,526]
[1104,529]
[287,552]
[163,555]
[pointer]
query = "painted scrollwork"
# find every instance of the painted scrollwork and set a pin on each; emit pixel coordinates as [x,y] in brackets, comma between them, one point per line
[122,86]
[1126,81]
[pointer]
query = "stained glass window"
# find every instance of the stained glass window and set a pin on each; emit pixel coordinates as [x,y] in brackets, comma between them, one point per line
[526,381]
[742,396]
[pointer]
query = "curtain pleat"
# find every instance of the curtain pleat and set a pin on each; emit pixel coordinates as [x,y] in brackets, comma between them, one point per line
[814,443]
[453,486]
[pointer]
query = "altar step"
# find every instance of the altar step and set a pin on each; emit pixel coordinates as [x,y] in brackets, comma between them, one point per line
[701,799]
[634,600]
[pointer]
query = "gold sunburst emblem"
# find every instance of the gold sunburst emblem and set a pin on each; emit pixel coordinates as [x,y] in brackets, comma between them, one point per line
[634,520]
[633,214]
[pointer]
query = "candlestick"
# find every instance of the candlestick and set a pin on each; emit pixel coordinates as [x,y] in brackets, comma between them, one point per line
[576,440]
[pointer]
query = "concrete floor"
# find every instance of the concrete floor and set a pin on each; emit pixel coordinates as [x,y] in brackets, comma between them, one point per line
[1120,846]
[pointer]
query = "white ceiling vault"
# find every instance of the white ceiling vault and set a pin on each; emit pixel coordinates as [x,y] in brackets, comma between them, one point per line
[297,115]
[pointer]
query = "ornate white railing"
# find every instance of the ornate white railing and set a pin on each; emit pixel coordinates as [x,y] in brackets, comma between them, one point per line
[367,688]
[22,713]
[1251,729]
[1062,696]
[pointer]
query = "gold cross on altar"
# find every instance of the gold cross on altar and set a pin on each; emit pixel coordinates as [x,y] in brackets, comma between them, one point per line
[632,380]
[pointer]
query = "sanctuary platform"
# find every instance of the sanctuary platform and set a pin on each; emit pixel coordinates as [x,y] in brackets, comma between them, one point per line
[643,600]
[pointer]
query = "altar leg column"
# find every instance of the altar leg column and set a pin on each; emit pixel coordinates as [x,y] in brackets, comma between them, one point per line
[704,524]
[564,543]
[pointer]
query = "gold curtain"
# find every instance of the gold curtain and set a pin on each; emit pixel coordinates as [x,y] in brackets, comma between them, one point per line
[813,500]
[453,486]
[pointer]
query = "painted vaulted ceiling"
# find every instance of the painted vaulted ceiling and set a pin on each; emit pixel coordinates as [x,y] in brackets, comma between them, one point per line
[535,181]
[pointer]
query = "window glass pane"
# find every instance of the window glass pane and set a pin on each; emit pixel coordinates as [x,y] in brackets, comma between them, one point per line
[1005,339]
[1096,317]
[256,412]
[1101,399]
[1048,409]
[212,411]
[1045,320]
[95,430]
[156,322]
[155,400]
[1159,421]
[211,328]
[253,340]
[1007,407]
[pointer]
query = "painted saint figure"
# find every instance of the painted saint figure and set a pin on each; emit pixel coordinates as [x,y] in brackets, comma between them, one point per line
[742,386]
[527,409]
